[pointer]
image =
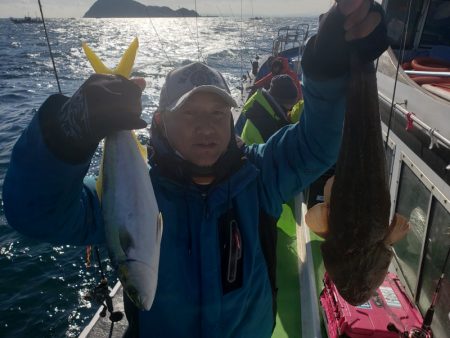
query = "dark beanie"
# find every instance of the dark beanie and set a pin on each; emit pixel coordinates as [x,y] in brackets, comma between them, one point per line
[283,88]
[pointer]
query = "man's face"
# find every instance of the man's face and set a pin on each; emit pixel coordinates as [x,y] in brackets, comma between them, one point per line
[200,129]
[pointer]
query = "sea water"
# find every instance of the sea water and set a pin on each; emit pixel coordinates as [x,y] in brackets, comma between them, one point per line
[42,286]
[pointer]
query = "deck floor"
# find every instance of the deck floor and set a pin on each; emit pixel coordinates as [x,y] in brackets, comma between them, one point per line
[288,321]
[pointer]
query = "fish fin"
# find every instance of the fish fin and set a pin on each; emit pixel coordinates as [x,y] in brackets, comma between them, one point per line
[126,241]
[159,227]
[316,218]
[127,61]
[99,182]
[397,230]
[96,63]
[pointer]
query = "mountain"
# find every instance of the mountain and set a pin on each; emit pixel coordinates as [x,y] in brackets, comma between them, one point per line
[133,9]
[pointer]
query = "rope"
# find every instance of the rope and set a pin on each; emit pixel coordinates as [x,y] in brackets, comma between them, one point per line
[255,47]
[225,23]
[192,37]
[160,41]
[410,121]
[241,52]
[399,61]
[196,26]
[49,47]
[97,253]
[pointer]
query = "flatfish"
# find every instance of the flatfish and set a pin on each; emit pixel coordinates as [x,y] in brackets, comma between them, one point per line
[355,254]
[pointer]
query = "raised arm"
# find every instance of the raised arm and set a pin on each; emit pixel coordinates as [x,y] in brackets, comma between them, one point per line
[45,194]
[297,155]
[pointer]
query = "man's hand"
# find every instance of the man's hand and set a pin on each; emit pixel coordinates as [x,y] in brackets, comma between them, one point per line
[359,20]
[350,26]
[103,104]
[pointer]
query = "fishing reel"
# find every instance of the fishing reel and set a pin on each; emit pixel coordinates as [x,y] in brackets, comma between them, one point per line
[101,296]
[419,333]
[414,332]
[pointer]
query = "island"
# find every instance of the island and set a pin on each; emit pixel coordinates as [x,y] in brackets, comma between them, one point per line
[133,9]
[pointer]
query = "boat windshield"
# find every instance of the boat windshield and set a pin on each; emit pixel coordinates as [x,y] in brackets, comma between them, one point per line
[436,30]
[428,24]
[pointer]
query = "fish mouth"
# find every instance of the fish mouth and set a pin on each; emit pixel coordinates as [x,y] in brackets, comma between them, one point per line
[139,281]
[359,273]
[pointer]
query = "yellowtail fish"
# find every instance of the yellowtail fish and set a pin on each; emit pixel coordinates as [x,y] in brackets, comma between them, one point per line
[133,223]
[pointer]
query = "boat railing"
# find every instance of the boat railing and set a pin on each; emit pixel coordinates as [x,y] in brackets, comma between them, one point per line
[432,132]
[290,37]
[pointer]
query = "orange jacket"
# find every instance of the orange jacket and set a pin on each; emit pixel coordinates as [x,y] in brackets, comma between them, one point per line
[265,81]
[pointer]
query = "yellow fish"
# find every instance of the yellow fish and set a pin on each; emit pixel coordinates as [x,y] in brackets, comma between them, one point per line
[133,223]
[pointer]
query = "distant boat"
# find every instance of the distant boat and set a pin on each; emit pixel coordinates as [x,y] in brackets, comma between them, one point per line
[256,18]
[26,19]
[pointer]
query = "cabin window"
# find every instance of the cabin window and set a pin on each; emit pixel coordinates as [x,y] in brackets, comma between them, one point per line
[396,18]
[437,246]
[413,201]
[437,25]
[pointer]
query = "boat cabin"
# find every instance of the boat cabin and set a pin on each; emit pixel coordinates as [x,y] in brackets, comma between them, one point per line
[414,90]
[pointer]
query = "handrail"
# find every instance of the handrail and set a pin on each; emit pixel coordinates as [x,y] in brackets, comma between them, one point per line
[427,73]
[432,132]
[290,35]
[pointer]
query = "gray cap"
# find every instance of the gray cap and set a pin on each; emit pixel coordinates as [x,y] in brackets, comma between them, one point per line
[183,82]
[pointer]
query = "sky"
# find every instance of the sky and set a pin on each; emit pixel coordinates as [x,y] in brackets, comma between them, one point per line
[77,8]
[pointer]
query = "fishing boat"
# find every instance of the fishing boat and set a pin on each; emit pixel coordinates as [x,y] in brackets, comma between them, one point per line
[415,113]
[26,19]
[289,43]
[416,132]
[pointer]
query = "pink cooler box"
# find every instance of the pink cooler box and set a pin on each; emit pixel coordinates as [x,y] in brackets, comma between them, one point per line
[390,306]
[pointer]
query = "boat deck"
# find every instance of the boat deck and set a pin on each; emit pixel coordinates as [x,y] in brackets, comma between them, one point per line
[101,327]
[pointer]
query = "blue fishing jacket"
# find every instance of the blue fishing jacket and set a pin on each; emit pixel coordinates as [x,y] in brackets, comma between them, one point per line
[51,200]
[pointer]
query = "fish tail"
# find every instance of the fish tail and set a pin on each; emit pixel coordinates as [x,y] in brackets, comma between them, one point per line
[126,62]
[96,63]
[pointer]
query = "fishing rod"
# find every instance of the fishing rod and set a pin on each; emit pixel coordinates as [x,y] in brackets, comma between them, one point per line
[399,61]
[101,294]
[191,35]
[425,330]
[49,47]
[426,326]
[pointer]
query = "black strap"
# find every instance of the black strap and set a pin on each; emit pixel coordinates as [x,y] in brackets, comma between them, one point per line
[231,251]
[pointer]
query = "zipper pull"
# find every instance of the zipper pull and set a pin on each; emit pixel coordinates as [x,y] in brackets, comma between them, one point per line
[235,251]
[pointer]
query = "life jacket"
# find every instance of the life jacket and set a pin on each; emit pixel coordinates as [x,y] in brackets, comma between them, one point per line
[264,117]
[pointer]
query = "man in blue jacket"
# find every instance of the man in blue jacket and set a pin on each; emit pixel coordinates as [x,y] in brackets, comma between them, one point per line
[208,190]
